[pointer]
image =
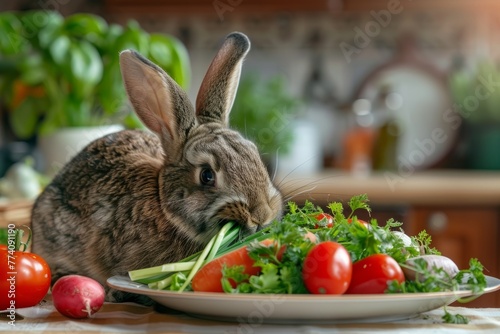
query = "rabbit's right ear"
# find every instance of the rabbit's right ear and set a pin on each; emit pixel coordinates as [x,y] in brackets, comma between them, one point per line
[159,102]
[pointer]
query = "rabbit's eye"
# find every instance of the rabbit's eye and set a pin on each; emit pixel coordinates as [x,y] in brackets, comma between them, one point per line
[207,177]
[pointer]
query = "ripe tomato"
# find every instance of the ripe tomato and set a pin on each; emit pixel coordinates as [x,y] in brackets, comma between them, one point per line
[327,269]
[371,274]
[328,220]
[361,221]
[24,279]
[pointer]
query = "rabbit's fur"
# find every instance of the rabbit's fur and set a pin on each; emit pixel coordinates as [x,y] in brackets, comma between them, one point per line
[135,199]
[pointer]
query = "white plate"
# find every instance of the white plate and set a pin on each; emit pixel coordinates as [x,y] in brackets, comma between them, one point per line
[259,308]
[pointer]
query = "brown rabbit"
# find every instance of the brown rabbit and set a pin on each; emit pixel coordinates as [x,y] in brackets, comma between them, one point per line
[135,199]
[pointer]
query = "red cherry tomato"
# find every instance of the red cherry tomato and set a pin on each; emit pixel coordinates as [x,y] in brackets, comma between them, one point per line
[361,221]
[372,274]
[327,269]
[24,279]
[328,220]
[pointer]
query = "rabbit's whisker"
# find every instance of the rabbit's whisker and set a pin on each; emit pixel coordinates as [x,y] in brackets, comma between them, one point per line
[291,193]
[296,193]
[295,169]
[276,164]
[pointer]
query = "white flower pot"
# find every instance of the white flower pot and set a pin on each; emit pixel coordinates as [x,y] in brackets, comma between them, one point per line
[59,147]
[305,156]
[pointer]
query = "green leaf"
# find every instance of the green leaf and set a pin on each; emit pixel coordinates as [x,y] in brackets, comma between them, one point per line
[424,241]
[159,50]
[4,236]
[359,202]
[112,43]
[78,113]
[292,207]
[77,61]
[180,67]
[454,318]
[89,27]
[262,102]
[24,118]
[113,33]
[33,71]
[235,274]
[110,91]
[132,121]
[268,281]
[135,38]
[93,63]
[35,21]
[472,278]
[55,115]
[47,127]
[59,49]
[86,69]
[171,55]
[337,210]
[12,41]
[49,26]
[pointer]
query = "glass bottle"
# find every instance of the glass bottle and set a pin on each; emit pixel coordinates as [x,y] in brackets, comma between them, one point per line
[385,147]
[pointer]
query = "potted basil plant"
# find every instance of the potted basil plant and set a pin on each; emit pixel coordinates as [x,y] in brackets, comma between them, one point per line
[477,98]
[61,75]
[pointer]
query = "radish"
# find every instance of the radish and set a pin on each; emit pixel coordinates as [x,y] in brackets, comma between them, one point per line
[77,296]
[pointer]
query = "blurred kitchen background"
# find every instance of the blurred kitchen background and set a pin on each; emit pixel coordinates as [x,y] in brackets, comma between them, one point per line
[394,98]
[350,85]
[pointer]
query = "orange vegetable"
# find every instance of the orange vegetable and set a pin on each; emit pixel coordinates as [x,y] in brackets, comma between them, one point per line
[208,278]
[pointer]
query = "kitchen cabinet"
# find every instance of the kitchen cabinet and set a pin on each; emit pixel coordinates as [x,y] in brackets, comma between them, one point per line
[461,233]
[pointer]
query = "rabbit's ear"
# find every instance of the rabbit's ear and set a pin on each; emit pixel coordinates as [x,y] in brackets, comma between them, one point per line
[159,102]
[218,89]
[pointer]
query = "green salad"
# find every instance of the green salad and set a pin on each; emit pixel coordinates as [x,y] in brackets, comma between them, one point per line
[312,251]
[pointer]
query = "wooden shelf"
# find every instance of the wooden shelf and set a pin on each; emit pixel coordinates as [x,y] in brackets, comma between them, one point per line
[436,187]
